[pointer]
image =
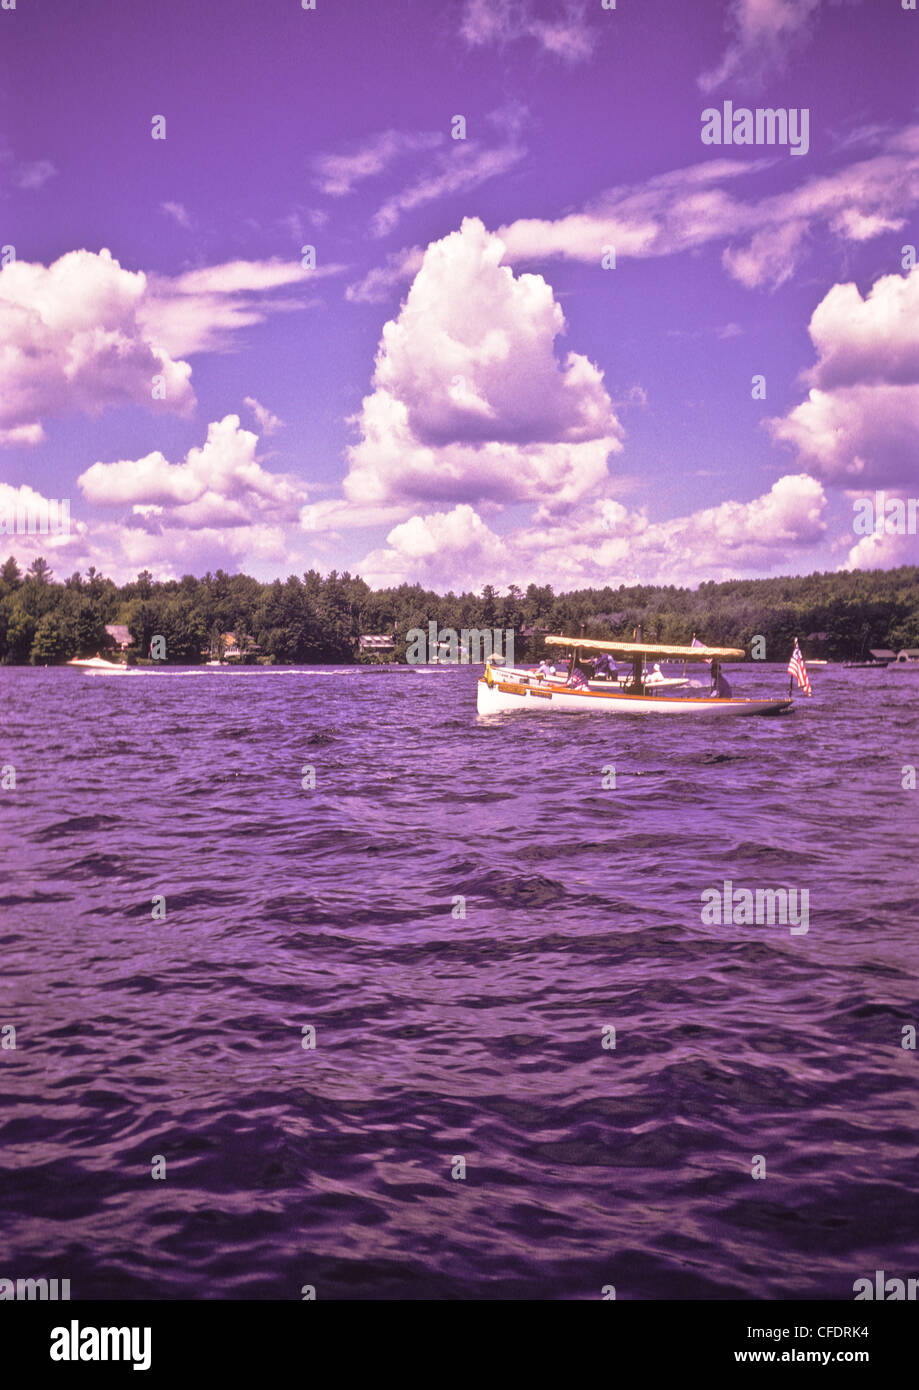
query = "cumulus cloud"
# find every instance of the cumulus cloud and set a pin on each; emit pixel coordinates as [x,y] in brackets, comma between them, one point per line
[470,401]
[762,32]
[883,552]
[875,339]
[121,549]
[72,338]
[84,333]
[219,484]
[860,421]
[567,35]
[32,524]
[604,543]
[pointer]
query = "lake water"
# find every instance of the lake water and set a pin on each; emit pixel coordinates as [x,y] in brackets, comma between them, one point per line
[440,1037]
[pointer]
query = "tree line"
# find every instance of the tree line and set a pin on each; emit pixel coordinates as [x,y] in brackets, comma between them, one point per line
[316,619]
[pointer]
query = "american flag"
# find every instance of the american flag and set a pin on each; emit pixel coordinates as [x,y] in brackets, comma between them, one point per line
[797,669]
[696,643]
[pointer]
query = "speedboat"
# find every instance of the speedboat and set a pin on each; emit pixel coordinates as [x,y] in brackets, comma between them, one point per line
[99,663]
[504,689]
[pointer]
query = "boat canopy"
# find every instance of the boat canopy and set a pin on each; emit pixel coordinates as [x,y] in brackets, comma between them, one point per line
[651,649]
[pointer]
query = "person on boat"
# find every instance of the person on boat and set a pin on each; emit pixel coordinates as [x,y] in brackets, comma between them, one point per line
[577,680]
[720,690]
[604,667]
[544,669]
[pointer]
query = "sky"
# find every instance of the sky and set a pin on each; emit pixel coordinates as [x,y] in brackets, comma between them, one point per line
[459,293]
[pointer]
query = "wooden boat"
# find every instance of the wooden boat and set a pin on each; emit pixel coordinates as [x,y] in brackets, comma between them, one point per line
[504,689]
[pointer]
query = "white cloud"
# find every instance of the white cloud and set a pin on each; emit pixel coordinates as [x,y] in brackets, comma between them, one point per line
[219,484]
[73,338]
[860,421]
[771,257]
[27,175]
[883,552]
[178,213]
[763,31]
[337,174]
[84,333]
[566,36]
[205,310]
[470,401]
[685,209]
[268,422]
[336,514]
[465,165]
[378,283]
[604,544]
[866,434]
[23,511]
[34,175]
[870,339]
[22,435]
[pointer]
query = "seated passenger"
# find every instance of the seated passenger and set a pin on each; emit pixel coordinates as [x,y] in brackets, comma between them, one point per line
[577,680]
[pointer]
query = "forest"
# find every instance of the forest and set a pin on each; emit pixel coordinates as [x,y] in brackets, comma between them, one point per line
[314,619]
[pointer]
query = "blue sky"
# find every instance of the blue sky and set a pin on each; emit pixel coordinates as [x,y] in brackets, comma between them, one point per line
[457,392]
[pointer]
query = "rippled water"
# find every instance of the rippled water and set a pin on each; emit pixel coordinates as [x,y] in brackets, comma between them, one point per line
[439,1036]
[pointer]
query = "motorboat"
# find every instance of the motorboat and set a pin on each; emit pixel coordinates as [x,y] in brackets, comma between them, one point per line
[504,689]
[99,663]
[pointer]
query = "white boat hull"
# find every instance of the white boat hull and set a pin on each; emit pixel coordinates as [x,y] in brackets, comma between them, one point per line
[99,666]
[512,696]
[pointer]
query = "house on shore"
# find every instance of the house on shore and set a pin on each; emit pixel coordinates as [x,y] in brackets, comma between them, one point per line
[375,646]
[236,646]
[119,635]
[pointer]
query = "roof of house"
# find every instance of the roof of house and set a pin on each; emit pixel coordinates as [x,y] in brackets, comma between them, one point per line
[882,653]
[119,632]
[378,640]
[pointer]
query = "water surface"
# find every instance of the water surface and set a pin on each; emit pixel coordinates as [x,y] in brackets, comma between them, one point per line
[440,1036]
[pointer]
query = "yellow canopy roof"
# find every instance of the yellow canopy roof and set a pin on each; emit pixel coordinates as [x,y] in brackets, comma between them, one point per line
[652,649]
